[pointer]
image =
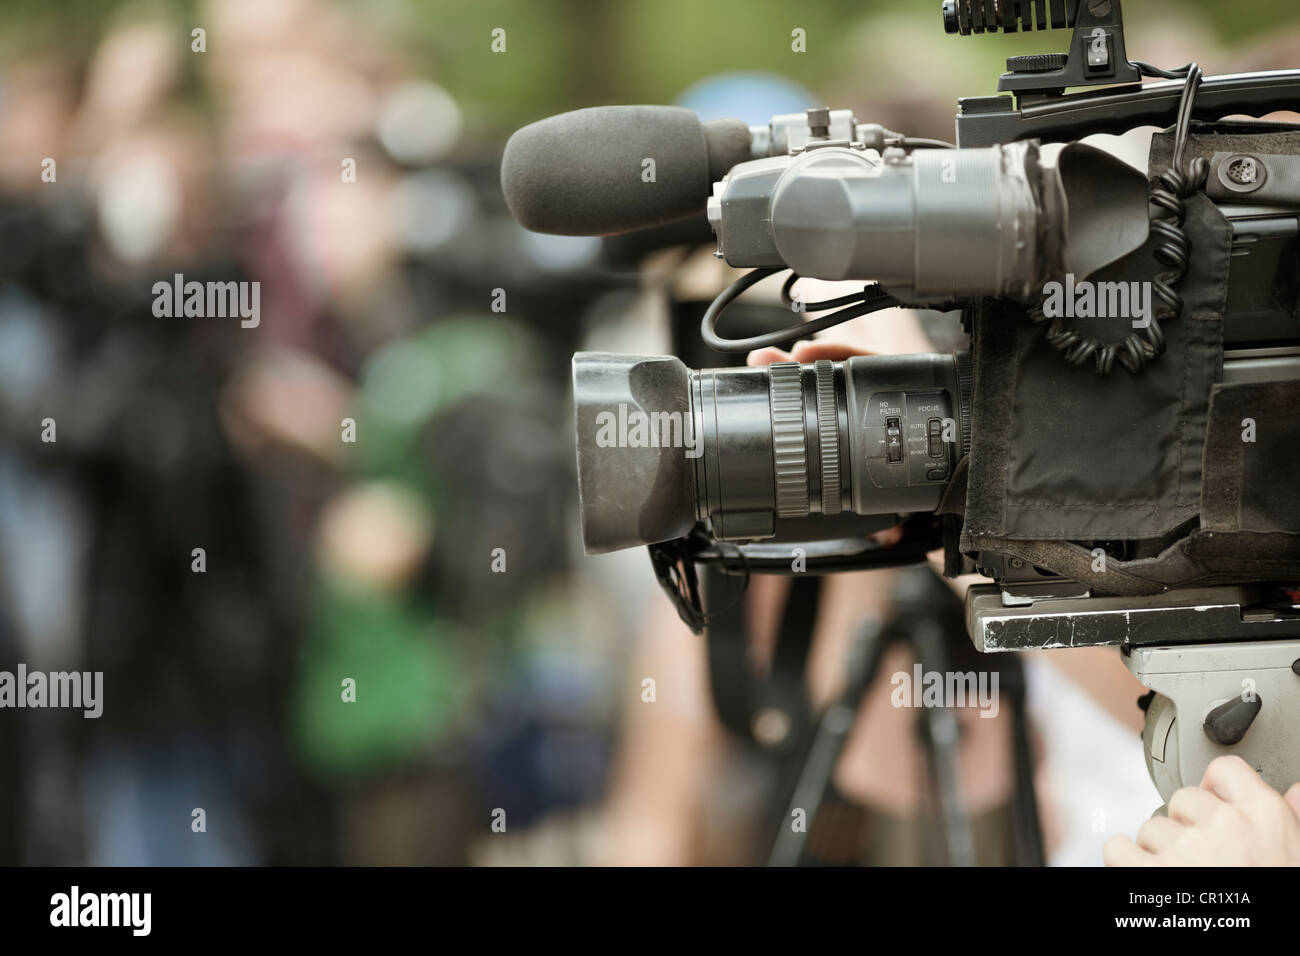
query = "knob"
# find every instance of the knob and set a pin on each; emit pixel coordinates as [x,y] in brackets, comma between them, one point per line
[951,23]
[1228,722]
[819,122]
[1037,63]
[789,448]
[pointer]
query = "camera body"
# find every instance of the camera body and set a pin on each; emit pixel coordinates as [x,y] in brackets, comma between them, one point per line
[1117,449]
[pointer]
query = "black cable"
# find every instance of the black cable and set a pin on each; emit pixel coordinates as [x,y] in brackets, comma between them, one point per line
[1173,187]
[871,299]
[920,142]
[788,300]
[1146,69]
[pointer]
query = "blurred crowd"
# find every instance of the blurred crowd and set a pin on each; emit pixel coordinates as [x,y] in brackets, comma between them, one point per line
[233,521]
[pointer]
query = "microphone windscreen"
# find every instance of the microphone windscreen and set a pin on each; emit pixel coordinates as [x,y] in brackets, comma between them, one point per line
[612,169]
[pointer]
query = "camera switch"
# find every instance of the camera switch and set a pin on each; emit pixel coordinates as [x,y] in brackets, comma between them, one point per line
[894,439]
[934,438]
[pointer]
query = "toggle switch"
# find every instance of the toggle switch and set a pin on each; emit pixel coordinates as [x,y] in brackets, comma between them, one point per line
[894,439]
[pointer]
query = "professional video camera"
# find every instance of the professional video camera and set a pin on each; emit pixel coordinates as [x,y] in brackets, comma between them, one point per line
[1119,449]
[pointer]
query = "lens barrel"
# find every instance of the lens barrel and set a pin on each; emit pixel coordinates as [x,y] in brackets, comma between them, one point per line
[753,450]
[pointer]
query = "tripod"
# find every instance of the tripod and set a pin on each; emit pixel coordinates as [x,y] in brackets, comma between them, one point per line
[928,620]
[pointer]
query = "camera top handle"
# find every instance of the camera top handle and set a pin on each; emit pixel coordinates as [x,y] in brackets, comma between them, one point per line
[1041,110]
[989,120]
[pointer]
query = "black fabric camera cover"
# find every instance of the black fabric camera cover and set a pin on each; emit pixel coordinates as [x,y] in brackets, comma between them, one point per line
[1062,457]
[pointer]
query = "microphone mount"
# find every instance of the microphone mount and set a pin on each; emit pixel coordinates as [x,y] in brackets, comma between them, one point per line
[1096,57]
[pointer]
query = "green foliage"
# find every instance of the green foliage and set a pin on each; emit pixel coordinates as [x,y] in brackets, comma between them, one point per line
[562,54]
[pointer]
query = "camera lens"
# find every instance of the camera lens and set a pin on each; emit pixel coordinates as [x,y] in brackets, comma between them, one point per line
[751,450]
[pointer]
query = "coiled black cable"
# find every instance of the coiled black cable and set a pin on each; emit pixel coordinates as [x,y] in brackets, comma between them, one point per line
[1169,195]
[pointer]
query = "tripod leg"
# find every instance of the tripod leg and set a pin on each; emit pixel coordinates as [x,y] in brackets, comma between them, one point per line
[823,747]
[943,743]
[1028,830]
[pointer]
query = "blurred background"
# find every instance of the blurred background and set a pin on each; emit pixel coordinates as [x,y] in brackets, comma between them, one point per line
[345,156]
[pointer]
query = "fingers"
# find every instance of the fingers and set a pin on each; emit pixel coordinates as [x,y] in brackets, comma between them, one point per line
[1293,798]
[835,351]
[1232,779]
[1234,818]
[805,352]
[889,537]
[1121,851]
[1192,805]
[767,357]
[1158,834]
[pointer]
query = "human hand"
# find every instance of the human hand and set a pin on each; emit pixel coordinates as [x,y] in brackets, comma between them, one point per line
[806,352]
[1233,818]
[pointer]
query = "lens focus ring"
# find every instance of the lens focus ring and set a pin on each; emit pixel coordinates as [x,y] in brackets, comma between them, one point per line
[790,452]
[828,436]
